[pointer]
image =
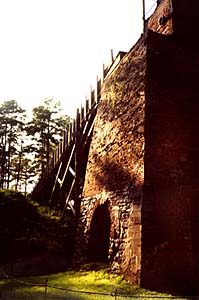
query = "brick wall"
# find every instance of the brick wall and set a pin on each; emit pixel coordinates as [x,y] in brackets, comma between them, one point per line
[170,203]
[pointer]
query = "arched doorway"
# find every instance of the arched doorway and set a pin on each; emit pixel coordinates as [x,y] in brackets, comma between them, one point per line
[98,247]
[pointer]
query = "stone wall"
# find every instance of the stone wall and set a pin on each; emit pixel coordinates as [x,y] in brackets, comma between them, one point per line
[143,167]
[115,164]
[119,208]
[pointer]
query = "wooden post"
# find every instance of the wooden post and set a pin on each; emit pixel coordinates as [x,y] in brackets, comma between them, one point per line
[99,86]
[87,108]
[66,139]
[112,56]
[57,154]
[46,287]
[143,12]
[78,120]
[60,149]
[74,130]
[92,97]
[115,294]
[54,158]
[103,73]
[63,141]
[69,133]
[81,116]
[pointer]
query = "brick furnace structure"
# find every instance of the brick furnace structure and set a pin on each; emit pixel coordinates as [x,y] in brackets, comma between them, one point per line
[140,208]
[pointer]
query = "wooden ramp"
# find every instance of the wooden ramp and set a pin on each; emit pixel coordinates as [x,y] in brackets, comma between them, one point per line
[61,183]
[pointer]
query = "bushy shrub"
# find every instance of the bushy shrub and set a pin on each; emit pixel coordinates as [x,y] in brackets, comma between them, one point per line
[25,229]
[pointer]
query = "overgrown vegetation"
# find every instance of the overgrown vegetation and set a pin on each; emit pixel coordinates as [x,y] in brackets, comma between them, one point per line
[27,229]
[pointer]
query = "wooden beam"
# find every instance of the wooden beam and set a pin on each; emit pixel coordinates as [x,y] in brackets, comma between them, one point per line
[72,171]
[68,197]
[56,178]
[78,120]
[68,164]
[72,208]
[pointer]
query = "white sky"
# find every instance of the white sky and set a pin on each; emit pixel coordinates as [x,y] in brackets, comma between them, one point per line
[55,48]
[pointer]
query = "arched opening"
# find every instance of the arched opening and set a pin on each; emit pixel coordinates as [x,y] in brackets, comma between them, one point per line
[98,247]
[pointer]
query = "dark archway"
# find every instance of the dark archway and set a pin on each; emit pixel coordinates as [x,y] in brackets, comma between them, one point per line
[98,247]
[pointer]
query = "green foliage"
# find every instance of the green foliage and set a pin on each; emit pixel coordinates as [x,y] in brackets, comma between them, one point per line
[12,120]
[114,93]
[45,130]
[26,229]
[26,148]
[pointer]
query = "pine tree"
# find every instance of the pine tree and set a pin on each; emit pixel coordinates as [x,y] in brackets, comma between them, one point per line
[12,120]
[45,128]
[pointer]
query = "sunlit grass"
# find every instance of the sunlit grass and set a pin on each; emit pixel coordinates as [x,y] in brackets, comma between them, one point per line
[82,282]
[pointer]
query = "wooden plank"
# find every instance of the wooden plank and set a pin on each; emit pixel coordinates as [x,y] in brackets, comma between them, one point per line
[77,125]
[81,115]
[63,140]
[68,164]
[99,87]
[85,127]
[54,159]
[87,108]
[59,180]
[72,171]
[92,97]
[68,197]
[56,178]
[103,72]
[73,130]
[90,100]
[69,133]
[88,122]
[66,140]
[112,56]
[57,154]
[72,208]
[90,131]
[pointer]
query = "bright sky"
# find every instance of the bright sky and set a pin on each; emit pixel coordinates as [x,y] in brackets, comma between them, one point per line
[55,48]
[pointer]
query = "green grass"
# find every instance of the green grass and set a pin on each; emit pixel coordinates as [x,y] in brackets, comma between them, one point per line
[99,281]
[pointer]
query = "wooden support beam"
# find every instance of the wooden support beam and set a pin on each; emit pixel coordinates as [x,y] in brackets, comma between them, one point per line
[112,57]
[68,164]
[92,97]
[87,108]
[53,159]
[68,197]
[82,116]
[72,171]
[57,154]
[103,72]
[77,120]
[70,133]
[63,141]
[56,179]
[72,208]
[60,149]
[98,90]
[89,132]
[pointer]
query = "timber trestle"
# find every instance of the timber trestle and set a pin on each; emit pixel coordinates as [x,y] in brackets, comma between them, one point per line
[61,184]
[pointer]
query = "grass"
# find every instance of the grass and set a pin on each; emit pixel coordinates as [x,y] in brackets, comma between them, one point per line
[100,282]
